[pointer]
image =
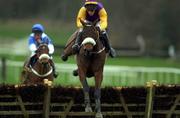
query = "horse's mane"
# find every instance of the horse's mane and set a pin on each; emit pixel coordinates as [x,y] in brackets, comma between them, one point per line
[42,44]
[90,32]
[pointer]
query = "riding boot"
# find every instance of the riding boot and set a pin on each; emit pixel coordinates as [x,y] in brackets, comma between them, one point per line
[76,46]
[55,74]
[111,51]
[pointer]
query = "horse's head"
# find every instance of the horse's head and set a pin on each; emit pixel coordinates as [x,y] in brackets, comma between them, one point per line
[90,35]
[43,53]
[42,69]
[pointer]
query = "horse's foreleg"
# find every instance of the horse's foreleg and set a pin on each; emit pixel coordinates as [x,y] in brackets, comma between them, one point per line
[97,94]
[86,94]
[64,57]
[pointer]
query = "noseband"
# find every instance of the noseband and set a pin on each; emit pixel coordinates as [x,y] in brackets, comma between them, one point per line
[42,56]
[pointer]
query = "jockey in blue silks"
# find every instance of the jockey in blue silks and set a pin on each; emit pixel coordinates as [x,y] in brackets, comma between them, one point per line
[36,38]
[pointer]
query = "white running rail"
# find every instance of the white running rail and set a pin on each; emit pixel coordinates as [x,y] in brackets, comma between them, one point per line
[124,75]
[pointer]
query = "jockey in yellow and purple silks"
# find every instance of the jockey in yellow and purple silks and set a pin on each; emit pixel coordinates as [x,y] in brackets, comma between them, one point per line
[36,38]
[92,11]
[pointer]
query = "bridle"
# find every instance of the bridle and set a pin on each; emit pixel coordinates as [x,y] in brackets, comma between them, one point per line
[41,56]
[41,75]
[98,38]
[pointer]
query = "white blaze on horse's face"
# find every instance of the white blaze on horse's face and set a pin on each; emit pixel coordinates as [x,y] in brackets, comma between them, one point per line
[88,43]
[89,40]
[44,58]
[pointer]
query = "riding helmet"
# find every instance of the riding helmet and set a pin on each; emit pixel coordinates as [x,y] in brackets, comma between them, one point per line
[37,28]
[91,5]
[91,2]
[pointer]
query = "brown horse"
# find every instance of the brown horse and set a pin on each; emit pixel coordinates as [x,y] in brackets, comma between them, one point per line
[68,47]
[90,62]
[41,69]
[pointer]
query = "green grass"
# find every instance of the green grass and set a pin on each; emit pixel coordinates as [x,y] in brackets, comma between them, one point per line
[67,79]
[121,61]
[144,61]
[58,31]
[13,30]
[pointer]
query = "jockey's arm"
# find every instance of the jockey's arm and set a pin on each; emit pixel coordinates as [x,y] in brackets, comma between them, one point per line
[32,45]
[50,46]
[81,15]
[103,19]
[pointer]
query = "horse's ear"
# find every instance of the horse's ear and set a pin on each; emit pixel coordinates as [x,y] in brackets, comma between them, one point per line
[82,22]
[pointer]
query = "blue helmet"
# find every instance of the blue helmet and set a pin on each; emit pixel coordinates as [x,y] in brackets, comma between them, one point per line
[37,28]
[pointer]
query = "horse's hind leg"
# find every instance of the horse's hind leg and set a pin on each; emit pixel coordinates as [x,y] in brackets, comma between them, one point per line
[86,96]
[97,94]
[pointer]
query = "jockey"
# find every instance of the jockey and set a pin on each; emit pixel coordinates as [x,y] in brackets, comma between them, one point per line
[35,39]
[92,11]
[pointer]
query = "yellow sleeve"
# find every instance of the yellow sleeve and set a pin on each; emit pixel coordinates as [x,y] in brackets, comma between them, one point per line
[81,15]
[103,19]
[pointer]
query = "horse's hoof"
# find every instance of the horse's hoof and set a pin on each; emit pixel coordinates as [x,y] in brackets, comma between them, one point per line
[75,72]
[64,58]
[88,109]
[99,115]
[55,74]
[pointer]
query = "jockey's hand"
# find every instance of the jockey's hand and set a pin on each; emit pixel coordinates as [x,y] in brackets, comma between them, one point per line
[98,29]
[87,22]
[39,41]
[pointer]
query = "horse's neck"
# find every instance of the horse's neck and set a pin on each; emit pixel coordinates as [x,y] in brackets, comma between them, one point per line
[99,45]
[41,68]
[68,49]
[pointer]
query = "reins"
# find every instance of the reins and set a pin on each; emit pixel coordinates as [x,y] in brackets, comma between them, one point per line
[41,75]
[68,44]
